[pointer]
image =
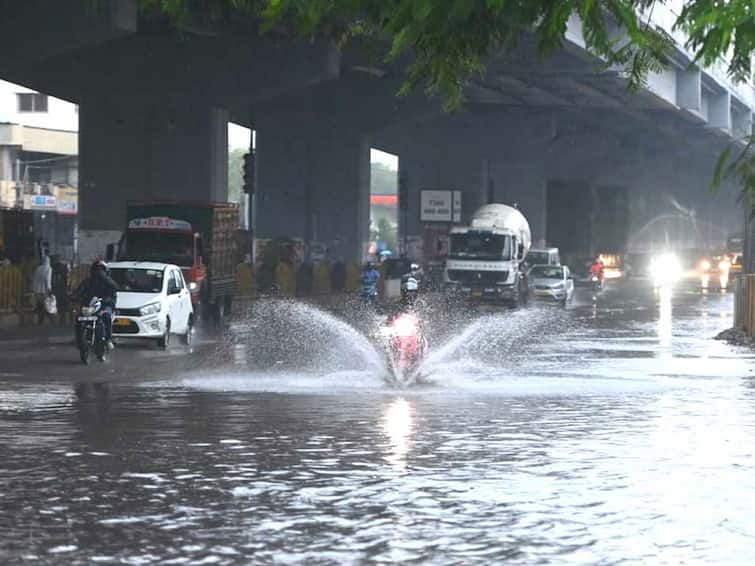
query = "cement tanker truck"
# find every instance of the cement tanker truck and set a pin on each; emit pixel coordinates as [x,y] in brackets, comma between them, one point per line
[486,259]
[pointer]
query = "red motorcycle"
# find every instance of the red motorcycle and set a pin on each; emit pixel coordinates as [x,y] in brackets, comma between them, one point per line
[406,345]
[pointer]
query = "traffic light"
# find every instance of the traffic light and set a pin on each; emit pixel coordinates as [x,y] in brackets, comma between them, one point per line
[403,190]
[249,172]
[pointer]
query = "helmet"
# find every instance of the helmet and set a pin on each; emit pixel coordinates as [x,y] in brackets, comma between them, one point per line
[414,267]
[409,288]
[99,265]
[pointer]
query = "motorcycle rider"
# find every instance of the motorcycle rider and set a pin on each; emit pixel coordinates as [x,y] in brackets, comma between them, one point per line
[598,269]
[370,277]
[99,284]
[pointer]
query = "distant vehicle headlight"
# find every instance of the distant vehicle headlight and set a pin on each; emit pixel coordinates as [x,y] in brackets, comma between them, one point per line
[704,265]
[724,265]
[152,308]
[666,269]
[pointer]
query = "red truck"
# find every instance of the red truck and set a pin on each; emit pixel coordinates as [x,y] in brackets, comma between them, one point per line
[198,237]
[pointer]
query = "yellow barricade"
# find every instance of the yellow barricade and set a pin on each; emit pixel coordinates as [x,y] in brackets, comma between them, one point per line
[285,278]
[321,284]
[353,277]
[246,284]
[78,274]
[11,288]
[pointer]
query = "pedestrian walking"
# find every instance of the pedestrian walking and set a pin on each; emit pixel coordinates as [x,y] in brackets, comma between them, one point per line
[41,286]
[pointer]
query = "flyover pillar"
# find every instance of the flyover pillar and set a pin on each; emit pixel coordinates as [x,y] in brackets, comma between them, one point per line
[146,149]
[314,185]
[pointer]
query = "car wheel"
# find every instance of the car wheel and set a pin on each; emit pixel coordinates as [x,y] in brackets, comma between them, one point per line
[164,341]
[189,336]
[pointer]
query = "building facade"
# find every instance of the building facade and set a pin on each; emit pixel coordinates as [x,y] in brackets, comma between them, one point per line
[38,173]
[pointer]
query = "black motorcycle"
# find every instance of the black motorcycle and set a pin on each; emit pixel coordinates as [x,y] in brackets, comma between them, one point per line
[90,331]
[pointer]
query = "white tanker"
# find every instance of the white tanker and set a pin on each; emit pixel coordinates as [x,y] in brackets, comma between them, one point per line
[486,259]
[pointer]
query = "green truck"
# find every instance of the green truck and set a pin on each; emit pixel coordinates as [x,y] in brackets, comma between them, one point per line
[199,237]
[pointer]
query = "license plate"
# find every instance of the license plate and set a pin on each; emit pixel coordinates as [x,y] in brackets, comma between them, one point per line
[121,322]
[542,292]
[477,293]
[86,318]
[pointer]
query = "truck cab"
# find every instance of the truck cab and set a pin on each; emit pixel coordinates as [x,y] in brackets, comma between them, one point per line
[486,259]
[167,240]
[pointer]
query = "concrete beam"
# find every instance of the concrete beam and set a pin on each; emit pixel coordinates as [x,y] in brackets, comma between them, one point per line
[719,111]
[689,90]
[33,30]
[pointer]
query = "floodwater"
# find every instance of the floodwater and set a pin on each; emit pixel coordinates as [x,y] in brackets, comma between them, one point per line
[614,432]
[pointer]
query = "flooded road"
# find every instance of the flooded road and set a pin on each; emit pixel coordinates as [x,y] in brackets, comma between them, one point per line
[610,432]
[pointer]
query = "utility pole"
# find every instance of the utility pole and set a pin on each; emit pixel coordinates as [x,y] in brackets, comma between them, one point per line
[250,172]
[403,203]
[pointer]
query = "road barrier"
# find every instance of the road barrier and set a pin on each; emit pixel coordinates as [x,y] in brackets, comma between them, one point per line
[12,289]
[744,304]
[308,280]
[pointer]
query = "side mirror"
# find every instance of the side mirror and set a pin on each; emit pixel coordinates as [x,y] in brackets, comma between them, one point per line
[110,252]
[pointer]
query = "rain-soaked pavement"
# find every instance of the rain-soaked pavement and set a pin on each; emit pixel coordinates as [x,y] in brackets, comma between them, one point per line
[607,433]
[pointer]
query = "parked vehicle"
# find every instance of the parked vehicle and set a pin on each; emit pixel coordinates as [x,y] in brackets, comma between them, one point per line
[551,282]
[200,238]
[543,256]
[153,302]
[486,260]
[90,331]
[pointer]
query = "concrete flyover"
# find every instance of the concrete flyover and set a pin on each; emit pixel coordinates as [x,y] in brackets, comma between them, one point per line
[154,107]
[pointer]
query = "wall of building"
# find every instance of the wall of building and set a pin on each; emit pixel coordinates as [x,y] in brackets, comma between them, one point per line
[60,114]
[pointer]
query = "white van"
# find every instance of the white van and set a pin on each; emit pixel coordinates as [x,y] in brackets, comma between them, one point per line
[543,256]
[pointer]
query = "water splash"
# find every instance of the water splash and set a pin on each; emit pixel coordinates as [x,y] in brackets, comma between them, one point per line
[288,335]
[492,345]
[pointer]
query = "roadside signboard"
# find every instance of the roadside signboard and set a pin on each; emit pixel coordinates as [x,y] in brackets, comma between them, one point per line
[440,205]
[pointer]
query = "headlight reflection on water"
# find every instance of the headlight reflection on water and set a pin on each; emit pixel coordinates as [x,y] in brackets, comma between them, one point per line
[397,425]
[665,318]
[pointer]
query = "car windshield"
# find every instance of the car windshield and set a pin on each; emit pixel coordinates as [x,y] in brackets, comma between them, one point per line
[480,245]
[167,247]
[138,280]
[547,272]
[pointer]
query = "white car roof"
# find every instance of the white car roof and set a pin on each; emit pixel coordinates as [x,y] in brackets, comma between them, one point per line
[140,265]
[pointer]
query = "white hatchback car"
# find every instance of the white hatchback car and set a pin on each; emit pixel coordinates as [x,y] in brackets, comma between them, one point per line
[553,282]
[153,302]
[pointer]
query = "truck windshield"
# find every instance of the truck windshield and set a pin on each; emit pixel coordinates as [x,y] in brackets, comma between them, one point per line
[480,245]
[165,247]
[138,280]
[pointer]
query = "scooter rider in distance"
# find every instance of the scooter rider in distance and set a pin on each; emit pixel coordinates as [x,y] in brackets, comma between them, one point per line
[370,276]
[598,269]
[99,284]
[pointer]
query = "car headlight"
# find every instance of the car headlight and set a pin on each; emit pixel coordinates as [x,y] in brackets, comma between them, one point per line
[704,265]
[724,265]
[152,308]
[558,287]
